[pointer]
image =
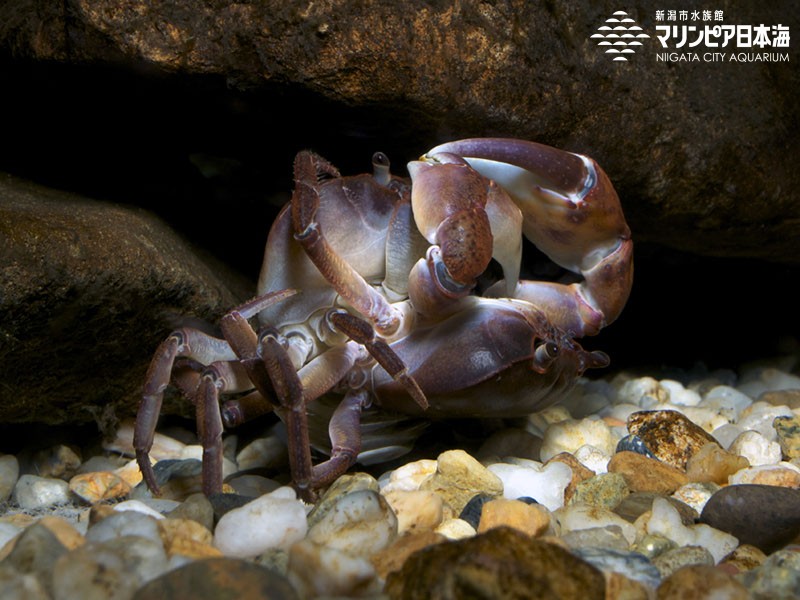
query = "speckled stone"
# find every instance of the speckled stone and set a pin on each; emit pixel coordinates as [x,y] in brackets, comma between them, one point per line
[701,582]
[501,563]
[781,475]
[606,490]
[315,570]
[9,473]
[218,578]
[643,474]
[653,544]
[744,558]
[767,517]
[609,537]
[788,430]
[20,586]
[778,577]
[713,464]
[669,435]
[676,558]
[459,477]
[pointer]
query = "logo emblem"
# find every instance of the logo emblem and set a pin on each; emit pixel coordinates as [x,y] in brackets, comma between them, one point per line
[620,35]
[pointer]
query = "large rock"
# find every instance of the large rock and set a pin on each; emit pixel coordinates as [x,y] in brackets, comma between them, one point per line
[702,153]
[87,291]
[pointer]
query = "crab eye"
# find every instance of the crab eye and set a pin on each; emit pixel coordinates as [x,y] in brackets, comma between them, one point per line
[380,159]
[551,349]
[380,168]
[544,355]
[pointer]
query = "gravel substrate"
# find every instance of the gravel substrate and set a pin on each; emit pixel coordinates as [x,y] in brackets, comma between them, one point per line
[685,486]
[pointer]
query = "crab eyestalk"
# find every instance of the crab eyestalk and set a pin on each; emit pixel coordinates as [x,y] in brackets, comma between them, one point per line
[572,213]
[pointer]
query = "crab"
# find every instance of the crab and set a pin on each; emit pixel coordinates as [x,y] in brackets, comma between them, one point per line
[368,291]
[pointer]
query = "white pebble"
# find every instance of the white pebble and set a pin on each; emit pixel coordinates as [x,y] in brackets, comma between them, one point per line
[778,471]
[9,473]
[124,523]
[546,485]
[679,394]
[634,390]
[695,494]
[138,506]
[665,520]
[706,418]
[759,417]
[728,401]
[621,411]
[7,532]
[317,570]
[576,517]
[164,447]
[757,449]
[726,434]
[455,529]
[568,436]
[32,492]
[361,524]
[275,520]
[593,459]
[408,477]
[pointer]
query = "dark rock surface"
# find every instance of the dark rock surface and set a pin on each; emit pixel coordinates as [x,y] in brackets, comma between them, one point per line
[87,290]
[701,153]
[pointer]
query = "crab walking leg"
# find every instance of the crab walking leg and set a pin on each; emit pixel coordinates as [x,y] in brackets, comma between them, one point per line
[360,332]
[345,434]
[209,427]
[289,391]
[347,282]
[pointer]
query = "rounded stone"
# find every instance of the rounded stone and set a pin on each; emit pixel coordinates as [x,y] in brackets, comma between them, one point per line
[713,464]
[531,519]
[98,486]
[630,564]
[9,473]
[767,517]
[669,435]
[32,492]
[459,477]
[501,563]
[346,484]
[643,474]
[701,582]
[606,490]
[416,511]
[633,443]
[676,558]
[471,512]
[359,524]
[215,578]
[788,431]
[579,472]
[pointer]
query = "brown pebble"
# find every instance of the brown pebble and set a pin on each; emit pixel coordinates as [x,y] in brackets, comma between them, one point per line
[99,486]
[531,519]
[619,587]
[392,558]
[644,474]
[744,558]
[790,398]
[579,472]
[501,563]
[788,429]
[669,435]
[713,464]
[701,582]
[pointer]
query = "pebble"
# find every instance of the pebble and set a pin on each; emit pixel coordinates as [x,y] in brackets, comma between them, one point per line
[23,586]
[579,472]
[782,475]
[58,462]
[9,473]
[790,398]
[416,511]
[501,563]
[669,435]
[665,520]
[316,570]
[672,560]
[653,544]
[99,486]
[634,390]
[757,449]
[767,517]
[197,508]
[727,401]
[571,434]
[410,476]
[701,582]
[471,512]
[713,464]
[187,538]
[392,558]
[638,503]
[360,524]
[787,430]
[609,537]
[531,519]
[218,578]
[164,447]
[35,552]
[633,443]
[346,484]
[605,490]
[459,477]
[583,516]
[643,474]
[33,492]
[275,520]
[760,416]
[777,578]
[455,529]
[744,558]
[593,458]
[263,453]
[546,484]
[696,494]
[630,564]
[124,523]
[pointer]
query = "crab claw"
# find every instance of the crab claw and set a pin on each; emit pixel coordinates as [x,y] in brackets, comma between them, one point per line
[572,213]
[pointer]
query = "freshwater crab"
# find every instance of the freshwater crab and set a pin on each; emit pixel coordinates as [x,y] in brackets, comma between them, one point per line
[368,289]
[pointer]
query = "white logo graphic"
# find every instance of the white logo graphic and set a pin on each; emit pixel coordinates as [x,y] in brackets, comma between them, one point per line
[621,35]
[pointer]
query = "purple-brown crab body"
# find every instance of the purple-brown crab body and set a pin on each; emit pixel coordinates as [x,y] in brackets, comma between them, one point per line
[368,291]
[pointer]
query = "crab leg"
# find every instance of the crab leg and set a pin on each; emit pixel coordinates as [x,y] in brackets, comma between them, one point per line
[347,282]
[572,213]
